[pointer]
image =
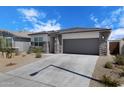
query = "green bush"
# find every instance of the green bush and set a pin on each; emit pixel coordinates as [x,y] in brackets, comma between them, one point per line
[38,55]
[108,65]
[119,59]
[108,81]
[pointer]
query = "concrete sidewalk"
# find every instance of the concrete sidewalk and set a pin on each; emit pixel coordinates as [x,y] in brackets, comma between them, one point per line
[7,80]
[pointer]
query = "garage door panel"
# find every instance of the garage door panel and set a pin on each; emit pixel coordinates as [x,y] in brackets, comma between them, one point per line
[81,46]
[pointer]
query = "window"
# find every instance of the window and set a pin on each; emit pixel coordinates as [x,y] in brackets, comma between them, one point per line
[38,41]
[35,39]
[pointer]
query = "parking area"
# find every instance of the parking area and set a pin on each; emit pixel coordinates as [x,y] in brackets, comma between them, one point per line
[58,70]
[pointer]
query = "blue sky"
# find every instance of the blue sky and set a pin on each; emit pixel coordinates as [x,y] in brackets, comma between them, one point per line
[39,18]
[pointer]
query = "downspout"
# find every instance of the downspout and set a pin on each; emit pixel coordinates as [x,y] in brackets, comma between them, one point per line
[108,50]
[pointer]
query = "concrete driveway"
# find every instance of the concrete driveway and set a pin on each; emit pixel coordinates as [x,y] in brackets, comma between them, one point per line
[61,70]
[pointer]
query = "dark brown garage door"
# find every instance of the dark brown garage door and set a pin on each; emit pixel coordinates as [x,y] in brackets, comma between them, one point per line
[81,46]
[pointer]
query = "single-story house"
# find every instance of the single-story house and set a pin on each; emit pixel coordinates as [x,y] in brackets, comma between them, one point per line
[116,47]
[91,41]
[18,40]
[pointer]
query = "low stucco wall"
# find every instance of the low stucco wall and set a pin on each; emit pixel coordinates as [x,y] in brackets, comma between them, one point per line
[22,46]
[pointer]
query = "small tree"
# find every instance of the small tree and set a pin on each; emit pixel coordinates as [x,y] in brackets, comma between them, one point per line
[6,47]
[2,45]
[2,42]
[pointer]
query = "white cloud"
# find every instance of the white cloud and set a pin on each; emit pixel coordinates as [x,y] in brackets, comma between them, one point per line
[14,22]
[114,20]
[48,26]
[36,19]
[115,17]
[118,11]
[93,18]
[117,34]
[29,14]
[121,23]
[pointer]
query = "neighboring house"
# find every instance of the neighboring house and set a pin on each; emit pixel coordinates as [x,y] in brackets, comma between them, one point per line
[19,40]
[91,41]
[116,47]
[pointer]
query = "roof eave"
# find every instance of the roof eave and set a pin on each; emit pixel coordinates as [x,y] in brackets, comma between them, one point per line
[104,30]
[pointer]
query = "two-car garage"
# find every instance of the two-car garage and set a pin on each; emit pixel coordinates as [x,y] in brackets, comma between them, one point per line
[81,46]
[81,43]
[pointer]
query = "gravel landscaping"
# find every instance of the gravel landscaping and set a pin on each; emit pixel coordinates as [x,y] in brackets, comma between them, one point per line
[100,70]
[17,61]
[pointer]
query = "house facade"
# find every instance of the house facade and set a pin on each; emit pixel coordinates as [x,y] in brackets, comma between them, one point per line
[91,41]
[17,40]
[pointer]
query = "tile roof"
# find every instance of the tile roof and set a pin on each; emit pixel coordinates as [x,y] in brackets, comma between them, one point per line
[17,34]
[43,32]
[72,30]
[22,34]
[78,29]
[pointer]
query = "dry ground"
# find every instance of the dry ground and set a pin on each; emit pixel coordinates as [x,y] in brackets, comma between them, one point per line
[19,61]
[100,71]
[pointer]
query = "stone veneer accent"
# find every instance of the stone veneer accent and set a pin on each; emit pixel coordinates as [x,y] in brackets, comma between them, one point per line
[57,45]
[103,47]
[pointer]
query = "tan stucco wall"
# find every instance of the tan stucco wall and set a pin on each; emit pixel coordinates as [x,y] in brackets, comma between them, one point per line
[80,35]
[121,47]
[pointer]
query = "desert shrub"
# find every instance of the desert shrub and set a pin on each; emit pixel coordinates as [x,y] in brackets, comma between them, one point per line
[119,59]
[9,52]
[108,65]
[36,50]
[3,50]
[108,81]
[23,55]
[28,52]
[121,74]
[38,55]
